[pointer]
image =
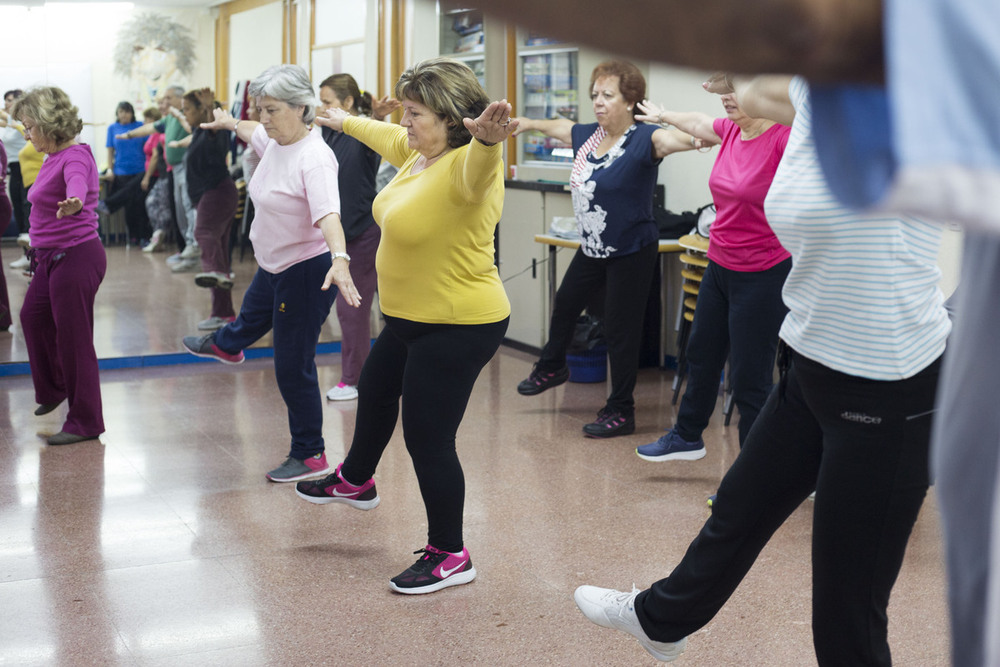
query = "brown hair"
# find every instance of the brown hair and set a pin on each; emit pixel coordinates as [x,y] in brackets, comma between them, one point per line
[450,89]
[631,82]
[343,86]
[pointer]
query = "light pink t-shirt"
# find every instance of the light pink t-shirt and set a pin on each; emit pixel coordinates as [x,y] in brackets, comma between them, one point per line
[742,239]
[293,188]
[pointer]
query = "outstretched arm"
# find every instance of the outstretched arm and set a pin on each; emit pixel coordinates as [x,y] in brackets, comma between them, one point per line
[697,124]
[821,39]
[557,128]
[764,96]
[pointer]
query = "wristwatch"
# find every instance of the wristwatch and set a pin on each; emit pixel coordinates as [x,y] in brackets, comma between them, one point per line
[344,255]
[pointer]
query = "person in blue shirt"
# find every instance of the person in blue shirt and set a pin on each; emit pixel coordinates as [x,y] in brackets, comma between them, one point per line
[614,173]
[126,167]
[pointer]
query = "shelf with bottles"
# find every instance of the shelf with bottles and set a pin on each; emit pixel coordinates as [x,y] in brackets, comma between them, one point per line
[549,89]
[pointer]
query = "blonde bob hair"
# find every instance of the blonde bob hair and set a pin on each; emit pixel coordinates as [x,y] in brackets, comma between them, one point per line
[52,111]
[450,89]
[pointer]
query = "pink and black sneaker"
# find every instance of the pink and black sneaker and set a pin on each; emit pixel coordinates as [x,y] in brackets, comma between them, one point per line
[539,381]
[434,570]
[333,489]
[610,423]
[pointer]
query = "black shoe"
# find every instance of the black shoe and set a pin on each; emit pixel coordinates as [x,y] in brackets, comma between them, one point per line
[610,423]
[46,408]
[539,381]
[64,438]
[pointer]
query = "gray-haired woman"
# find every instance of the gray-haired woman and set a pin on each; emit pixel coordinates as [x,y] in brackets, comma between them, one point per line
[300,249]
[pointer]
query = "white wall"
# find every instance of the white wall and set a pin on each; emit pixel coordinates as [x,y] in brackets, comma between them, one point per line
[685,175]
[254,42]
[71,46]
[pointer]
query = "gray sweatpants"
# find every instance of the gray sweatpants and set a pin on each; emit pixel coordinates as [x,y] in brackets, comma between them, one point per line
[186,213]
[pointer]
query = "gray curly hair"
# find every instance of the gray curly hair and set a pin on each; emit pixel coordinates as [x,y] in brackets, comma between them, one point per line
[150,28]
[289,84]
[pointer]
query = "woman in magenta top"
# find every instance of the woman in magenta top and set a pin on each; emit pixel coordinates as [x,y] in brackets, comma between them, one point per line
[69,264]
[739,307]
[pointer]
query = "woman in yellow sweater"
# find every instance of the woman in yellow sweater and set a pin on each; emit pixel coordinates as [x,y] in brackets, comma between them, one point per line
[445,308]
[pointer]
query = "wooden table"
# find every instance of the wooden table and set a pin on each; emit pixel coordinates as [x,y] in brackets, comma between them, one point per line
[666,246]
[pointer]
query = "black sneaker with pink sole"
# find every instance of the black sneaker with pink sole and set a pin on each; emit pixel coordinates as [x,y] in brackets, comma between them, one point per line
[539,381]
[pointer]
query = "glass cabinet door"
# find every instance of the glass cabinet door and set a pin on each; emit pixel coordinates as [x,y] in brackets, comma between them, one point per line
[462,37]
[549,89]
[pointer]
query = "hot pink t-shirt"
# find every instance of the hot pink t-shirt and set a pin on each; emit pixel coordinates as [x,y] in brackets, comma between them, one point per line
[293,188]
[741,238]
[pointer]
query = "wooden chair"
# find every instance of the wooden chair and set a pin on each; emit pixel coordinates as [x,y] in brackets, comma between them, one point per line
[695,260]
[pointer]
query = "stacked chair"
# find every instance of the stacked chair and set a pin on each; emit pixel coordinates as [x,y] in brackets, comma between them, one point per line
[694,260]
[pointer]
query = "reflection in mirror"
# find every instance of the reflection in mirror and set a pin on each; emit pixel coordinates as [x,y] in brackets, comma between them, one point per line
[142,308]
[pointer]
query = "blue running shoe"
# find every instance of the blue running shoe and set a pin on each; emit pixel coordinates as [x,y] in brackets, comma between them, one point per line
[671,447]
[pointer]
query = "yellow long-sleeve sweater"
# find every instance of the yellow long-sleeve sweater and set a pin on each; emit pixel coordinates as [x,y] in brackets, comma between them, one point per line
[435,259]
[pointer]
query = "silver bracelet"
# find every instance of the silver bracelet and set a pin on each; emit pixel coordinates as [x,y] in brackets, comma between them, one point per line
[341,255]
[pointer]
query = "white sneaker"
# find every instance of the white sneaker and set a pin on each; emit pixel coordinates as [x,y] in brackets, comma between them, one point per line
[609,608]
[173,259]
[155,242]
[191,251]
[24,240]
[342,392]
[185,265]
[21,262]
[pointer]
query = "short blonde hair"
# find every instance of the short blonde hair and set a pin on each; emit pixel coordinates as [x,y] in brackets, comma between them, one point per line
[53,112]
[450,89]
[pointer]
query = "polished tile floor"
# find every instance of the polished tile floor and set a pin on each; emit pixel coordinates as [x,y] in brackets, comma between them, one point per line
[163,544]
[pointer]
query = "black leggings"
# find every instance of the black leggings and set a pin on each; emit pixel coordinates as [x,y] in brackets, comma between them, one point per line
[433,368]
[626,280]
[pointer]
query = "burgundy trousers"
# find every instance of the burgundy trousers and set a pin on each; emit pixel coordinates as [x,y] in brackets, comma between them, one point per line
[58,323]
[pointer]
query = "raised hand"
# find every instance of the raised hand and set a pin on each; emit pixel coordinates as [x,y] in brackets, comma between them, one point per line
[720,83]
[222,120]
[383,107]
[494,123]
[650,112]
[333,119]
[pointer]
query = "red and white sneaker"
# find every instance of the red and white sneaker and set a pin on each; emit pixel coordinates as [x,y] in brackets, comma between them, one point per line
[434,570]
[333,489]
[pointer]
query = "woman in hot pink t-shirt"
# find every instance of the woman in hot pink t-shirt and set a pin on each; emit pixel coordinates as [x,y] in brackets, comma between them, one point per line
[739,307]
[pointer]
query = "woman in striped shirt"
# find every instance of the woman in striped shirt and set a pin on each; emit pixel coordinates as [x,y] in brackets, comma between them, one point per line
[850,418]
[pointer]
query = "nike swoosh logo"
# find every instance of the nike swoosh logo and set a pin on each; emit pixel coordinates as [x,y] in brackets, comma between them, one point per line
[447,573]
[344,495]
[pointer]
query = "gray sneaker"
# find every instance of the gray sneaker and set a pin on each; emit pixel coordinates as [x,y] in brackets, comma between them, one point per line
[292,470]
[213,323]
[609,608]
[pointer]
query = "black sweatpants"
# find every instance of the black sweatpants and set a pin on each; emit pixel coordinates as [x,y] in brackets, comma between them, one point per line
[626,280]
[862,445]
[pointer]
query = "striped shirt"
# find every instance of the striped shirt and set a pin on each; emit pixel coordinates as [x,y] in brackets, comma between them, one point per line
[863,292]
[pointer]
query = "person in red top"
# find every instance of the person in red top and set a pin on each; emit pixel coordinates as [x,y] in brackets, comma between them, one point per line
[69,264]
[739,307]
